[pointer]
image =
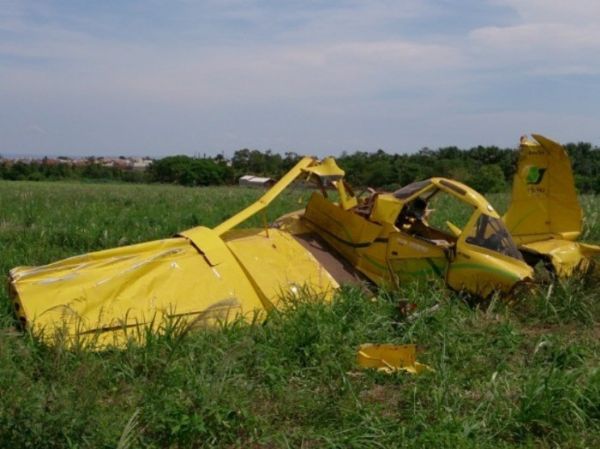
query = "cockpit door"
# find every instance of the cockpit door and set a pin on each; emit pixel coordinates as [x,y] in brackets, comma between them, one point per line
[486,258]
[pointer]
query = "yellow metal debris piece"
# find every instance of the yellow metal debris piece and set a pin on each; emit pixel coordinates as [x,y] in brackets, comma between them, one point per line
[566,257]
[390,358]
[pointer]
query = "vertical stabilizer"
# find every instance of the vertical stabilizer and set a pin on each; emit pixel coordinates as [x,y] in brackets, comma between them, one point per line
[544,201]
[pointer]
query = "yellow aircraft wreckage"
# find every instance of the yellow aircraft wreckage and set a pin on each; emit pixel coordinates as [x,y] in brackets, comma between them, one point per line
[205,275]
[545,217]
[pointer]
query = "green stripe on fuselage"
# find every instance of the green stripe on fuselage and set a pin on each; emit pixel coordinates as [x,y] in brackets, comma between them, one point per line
[481,267]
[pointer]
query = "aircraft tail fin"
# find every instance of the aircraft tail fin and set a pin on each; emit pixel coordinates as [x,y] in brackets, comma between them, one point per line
[544,201]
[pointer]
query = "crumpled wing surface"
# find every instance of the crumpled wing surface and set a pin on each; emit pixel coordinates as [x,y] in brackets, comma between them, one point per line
[201,276]
[108,297]
[278,266]
[111,293]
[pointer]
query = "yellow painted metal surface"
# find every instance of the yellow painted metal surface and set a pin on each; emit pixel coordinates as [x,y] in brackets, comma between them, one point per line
[545,216]
[198,278]
[456,231]
[343,229]
[390,358]
[567,257]
[468,267]
[113,295]
[544,202]
[301,167]
[278,266]
[482,272]
[386,208]
[327,170]
[463,193]
[389,256]
[457,189]
[412,258]
[207,275]
[347,198]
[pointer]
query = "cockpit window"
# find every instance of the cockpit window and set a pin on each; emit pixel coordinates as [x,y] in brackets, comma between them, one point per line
[448,208]
[411,189]
[490,233]
[427,217]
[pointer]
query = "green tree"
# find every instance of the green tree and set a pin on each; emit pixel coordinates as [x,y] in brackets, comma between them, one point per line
[488,179]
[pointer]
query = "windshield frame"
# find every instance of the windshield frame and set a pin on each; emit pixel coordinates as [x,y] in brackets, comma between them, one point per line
[505,246]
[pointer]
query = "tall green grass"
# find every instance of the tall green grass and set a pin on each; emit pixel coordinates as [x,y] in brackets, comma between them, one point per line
[522,375]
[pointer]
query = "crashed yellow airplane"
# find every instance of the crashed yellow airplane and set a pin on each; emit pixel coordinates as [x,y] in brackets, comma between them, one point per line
[204,275]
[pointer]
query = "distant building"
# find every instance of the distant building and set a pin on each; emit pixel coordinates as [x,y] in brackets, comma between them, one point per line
[256,181]
[81,162]
[50,162]
[122,164]
[140,164]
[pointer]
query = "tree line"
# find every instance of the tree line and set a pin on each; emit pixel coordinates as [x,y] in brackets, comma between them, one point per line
[42,171]
[486,169]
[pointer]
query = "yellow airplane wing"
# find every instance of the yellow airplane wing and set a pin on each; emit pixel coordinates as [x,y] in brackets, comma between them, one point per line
[200,277]
[107,297]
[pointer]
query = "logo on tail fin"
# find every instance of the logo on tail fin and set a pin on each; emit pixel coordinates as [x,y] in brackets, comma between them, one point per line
[535,175]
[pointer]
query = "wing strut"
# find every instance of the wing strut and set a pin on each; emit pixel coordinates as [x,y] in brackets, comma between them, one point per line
[267,198]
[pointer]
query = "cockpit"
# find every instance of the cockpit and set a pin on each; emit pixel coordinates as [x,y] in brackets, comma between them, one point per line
[439,211]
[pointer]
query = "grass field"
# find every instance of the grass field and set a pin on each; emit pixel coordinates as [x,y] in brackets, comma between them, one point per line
[526,375]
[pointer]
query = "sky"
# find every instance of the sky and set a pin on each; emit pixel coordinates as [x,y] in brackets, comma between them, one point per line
[151,77]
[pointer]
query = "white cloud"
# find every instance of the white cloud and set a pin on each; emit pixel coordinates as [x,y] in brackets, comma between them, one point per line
[333,50]
[226,73]
[555,11]
[550,37]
